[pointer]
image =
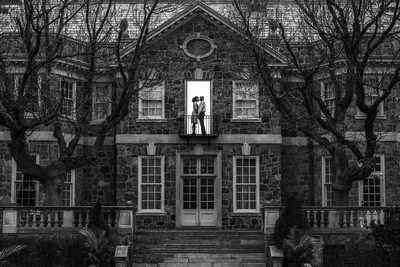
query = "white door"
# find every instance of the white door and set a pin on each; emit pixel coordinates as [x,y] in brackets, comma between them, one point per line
[198,194]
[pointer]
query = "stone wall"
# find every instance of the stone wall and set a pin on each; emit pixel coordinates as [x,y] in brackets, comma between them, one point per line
[296,179]
[98,179]
[270,176]
[225,65]
[5,173]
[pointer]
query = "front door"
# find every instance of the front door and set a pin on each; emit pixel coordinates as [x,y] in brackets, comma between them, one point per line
[198,192]
[198,201]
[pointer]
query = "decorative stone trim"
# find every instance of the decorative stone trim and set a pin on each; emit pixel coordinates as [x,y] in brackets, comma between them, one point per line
[246,149]
[176,139]
[198,150]
[195,38]
[151,149]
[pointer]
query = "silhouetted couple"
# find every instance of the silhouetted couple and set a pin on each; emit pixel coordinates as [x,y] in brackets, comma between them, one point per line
[198,113]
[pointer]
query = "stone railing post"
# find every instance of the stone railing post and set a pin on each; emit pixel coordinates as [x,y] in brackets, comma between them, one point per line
[126,221]
[9,219]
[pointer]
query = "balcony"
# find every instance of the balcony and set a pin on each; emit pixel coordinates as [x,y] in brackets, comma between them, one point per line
[17,219]
[340,219]
[210,124]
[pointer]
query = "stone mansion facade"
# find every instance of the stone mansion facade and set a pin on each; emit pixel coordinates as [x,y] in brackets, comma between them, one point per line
[246,160]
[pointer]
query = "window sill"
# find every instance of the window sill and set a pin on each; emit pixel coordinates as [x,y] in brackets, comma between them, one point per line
[362,117]
[151,120]
[246,120]
[96,122]
[245,214]
[151,213]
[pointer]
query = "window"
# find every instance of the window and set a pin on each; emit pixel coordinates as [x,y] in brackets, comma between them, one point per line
[25,190]
[67,90]
[245,100]
[68,190]
[372,188]
[246,184]
[101,101]
[328,97]
[151,101]
[151,184]
[327,181]
[371,95]
[31,101]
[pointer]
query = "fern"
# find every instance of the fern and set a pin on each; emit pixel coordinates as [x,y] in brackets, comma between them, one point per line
[297,247]
[7,252]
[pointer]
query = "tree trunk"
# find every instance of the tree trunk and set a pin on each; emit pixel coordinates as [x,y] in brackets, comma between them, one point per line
[341,198]
[341,187]
[53,189]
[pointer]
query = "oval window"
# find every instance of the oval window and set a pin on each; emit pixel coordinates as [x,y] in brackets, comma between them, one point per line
[198,47]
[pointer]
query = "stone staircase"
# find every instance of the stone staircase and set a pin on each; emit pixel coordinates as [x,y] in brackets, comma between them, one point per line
[199,248]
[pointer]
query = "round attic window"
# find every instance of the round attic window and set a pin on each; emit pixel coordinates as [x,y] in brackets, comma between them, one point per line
[198,47]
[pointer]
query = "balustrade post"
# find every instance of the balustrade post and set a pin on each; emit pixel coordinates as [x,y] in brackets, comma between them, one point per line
[351,223]
[325,217]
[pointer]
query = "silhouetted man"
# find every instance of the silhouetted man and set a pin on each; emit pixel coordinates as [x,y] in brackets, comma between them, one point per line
[202,113]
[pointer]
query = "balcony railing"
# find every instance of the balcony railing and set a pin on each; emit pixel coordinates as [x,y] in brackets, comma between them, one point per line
[17,219]
[338,217]
[210,125]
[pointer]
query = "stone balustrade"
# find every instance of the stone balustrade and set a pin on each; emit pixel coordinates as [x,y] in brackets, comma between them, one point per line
[338,218]
[17,219]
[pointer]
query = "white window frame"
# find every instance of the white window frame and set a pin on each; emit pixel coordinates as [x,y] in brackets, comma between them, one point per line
[324,181]
[72,192]
[95,119]
[140,209]
[255,98]
[327,98]
[381,109]
[73,115]
[143,87]
[380,173]
[14,180]
[257,209]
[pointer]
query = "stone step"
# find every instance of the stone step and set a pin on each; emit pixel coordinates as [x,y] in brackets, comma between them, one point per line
[199,248]
[196,258]
[200,242]
[204,264]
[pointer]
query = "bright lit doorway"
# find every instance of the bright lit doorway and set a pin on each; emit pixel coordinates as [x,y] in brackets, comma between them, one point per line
[198,88]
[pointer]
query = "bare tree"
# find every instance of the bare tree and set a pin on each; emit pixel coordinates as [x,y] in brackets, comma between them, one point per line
[41,34]
[351,45]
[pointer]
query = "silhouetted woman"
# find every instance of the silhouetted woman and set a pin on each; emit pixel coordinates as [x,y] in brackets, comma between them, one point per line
[195,113]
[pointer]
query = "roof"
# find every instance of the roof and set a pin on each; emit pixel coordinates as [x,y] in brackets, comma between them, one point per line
[199,7]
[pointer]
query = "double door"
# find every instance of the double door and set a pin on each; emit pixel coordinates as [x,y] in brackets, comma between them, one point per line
[198,201]
[198,192]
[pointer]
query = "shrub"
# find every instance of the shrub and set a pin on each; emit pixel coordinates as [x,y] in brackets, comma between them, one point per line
[297,248]
[387,236]
[97,223]
[361,254]
[56,250]
[72,251]
[100,250]
[293,215]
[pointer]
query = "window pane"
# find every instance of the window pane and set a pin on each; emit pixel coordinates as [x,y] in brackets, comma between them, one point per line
[151,183]
[246,184]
